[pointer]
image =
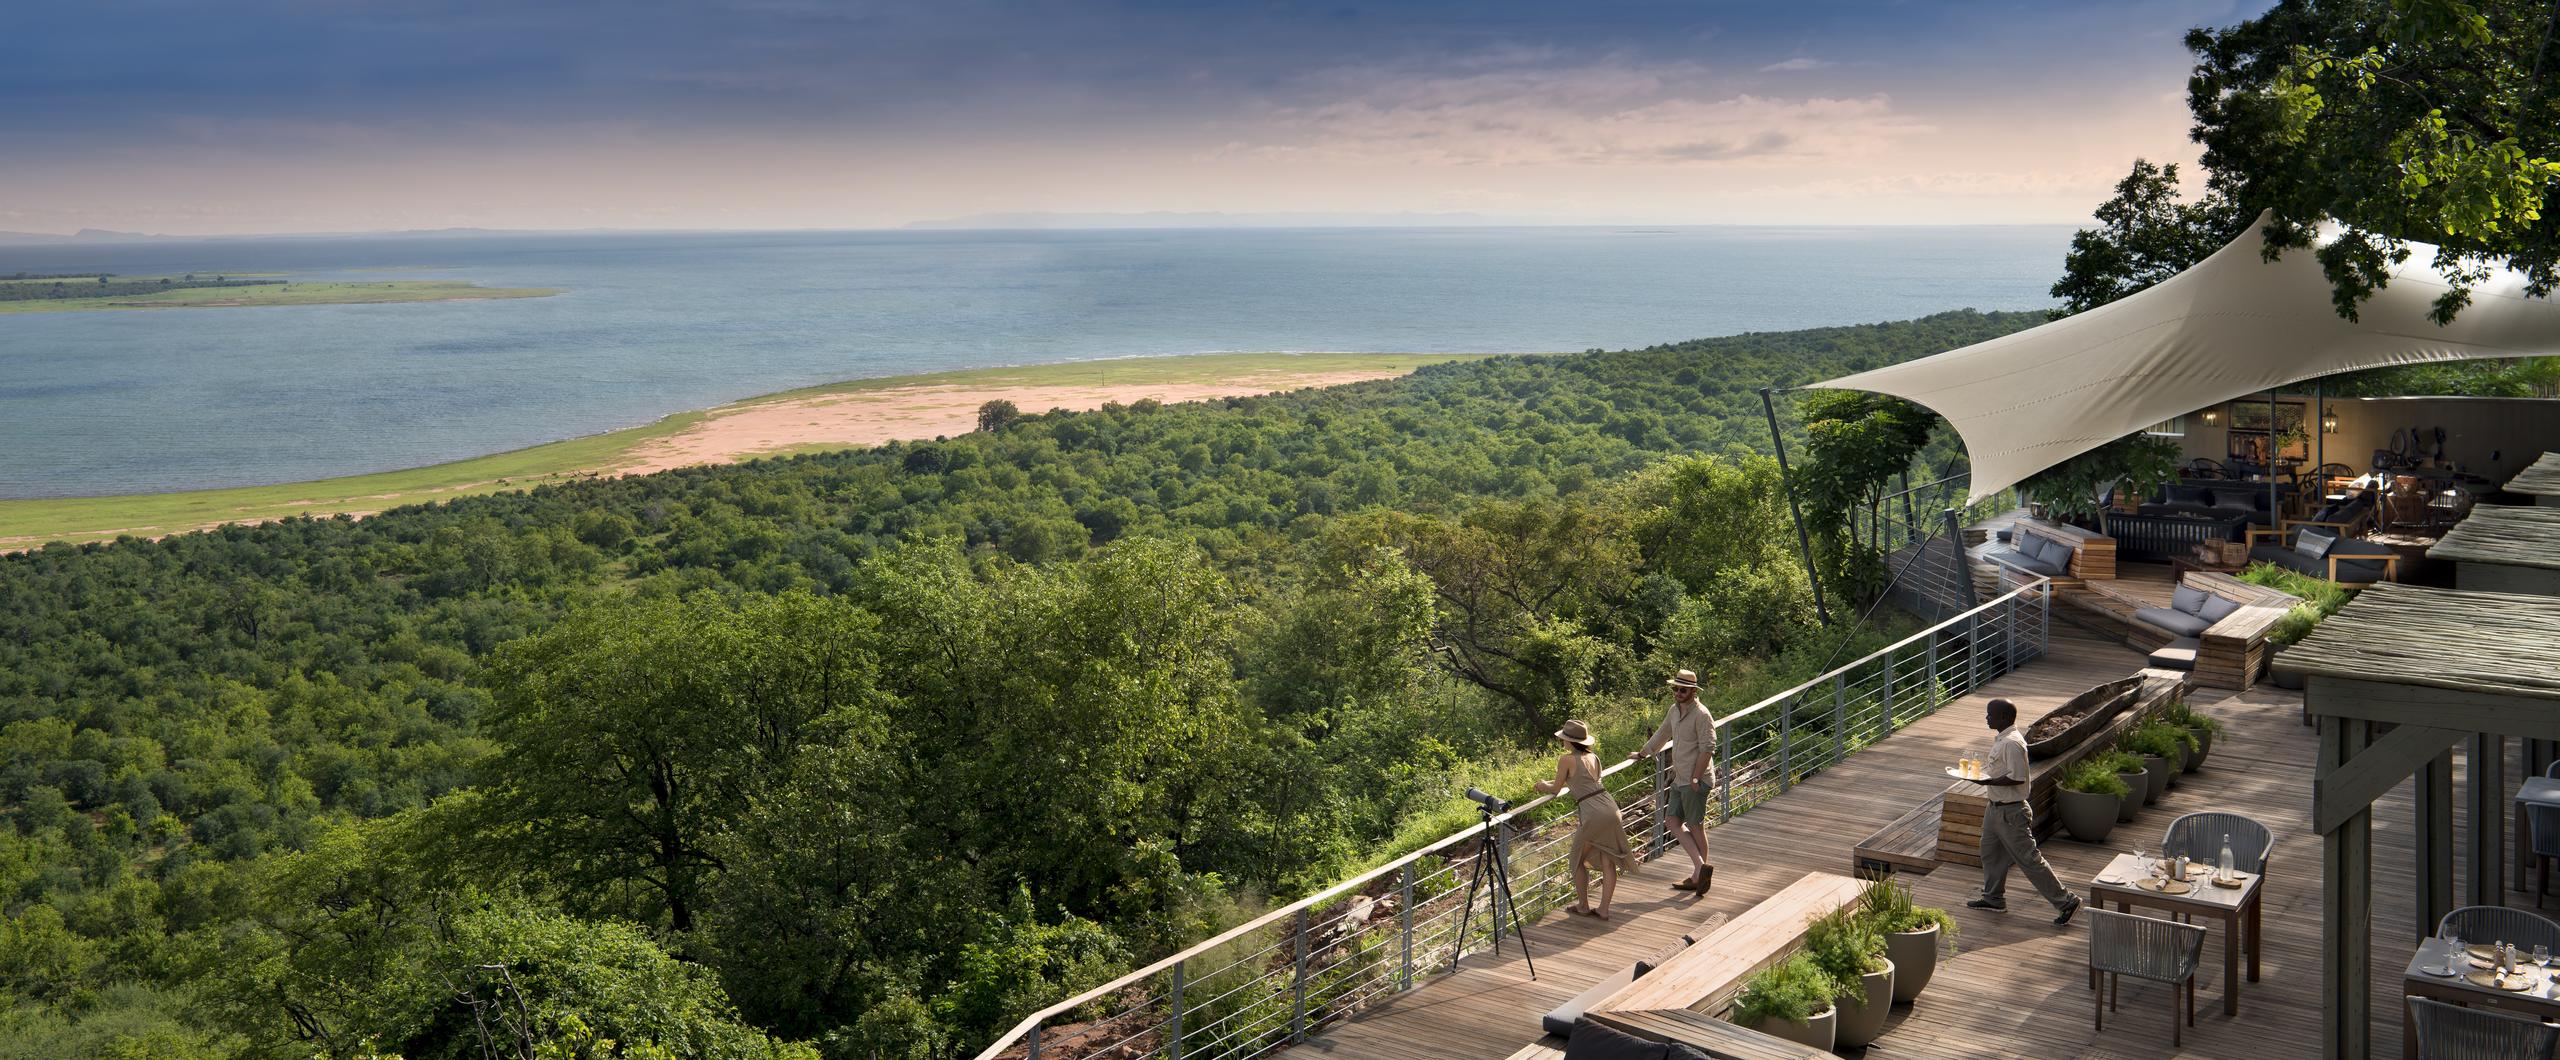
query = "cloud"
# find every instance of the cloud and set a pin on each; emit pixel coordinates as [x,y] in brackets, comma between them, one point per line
[1594,113]
[1788,66]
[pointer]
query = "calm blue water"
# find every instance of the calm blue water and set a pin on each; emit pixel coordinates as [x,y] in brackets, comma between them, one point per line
[126,402]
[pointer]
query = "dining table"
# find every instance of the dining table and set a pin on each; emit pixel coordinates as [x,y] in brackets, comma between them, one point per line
[2238,908]
[2537,999]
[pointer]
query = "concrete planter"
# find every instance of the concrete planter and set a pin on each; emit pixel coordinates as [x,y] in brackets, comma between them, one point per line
[2088,816]
[1821,1032]
[2137,790]
[2161,769]
[1915,958]
[2195,755]
[1859,1024]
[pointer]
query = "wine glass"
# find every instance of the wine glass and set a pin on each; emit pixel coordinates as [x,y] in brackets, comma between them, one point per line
[2542,955]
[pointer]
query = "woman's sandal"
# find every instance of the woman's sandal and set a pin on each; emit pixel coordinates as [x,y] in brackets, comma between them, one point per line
[1578,910]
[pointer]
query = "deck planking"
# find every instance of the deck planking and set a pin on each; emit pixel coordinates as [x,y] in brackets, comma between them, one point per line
[2018,987]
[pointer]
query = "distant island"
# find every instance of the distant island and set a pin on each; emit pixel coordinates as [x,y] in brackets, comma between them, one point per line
[66,293]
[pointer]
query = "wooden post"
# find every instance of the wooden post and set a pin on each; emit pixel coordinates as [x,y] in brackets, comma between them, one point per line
[2488,832]
[2434,803]
[2346,932]
[1404,924]
[1298,978]
[1173,1026]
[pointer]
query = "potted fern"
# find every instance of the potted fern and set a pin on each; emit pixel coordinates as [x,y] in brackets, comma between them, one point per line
[2137,781]
[1848,948]
[2089,800]
[2198,725]
[1792,1000]
[1914,935]
[2161,755]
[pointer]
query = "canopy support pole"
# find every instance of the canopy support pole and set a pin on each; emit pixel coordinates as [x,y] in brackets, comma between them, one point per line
[1804,544]
[2319,438]
[2275,444]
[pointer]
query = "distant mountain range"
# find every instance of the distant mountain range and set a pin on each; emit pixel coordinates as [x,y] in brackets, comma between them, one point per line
[85,235]
[1207,219]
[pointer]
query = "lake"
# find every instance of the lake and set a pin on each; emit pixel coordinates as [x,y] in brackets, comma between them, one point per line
[650,324]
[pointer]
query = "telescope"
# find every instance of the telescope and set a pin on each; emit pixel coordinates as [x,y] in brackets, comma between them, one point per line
[1491,803]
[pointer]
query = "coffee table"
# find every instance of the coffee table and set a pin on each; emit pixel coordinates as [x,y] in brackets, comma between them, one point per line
[2238,908]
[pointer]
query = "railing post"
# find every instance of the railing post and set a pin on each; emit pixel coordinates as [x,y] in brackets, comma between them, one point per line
[2044,619]
[1786,744]
[1929,700]
[1724,780]
[1032,1042]
[1661,805]
[1892,662]
[1298,980]
[1839,717]
[1404,924]
[1173,1026]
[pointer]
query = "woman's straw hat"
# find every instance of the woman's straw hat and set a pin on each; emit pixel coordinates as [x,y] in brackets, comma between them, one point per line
[1685,679]
[1575,733]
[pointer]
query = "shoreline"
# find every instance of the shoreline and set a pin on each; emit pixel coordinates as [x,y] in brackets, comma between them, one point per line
[845,415]
[289,293]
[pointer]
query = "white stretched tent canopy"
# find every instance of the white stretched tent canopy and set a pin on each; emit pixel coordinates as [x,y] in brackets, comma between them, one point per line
[2232,326]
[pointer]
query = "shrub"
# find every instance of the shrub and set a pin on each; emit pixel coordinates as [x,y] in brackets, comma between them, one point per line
[1845,946]
[1887,907]
[1795,990]
[2116,760]
[2320,599]
[2092,777]
[2154,739]
[2186,717]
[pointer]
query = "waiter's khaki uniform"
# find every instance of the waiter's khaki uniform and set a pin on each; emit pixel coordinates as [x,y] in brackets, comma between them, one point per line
[2008,830]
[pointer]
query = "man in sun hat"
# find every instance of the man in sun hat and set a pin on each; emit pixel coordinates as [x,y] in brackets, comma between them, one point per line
[1690,732]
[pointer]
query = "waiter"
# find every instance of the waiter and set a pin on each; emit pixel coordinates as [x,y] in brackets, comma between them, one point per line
[2008,832]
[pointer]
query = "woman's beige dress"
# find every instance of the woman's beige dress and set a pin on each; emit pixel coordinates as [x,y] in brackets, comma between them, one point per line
[1600,831]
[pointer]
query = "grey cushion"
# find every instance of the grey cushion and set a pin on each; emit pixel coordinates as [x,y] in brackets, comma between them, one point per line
[1591,1041]
[2287,559]
[2217,608]
[2030,546]
[1686,1051]
[2188,599]
[2313,543]
[2021,561]
[2171,620]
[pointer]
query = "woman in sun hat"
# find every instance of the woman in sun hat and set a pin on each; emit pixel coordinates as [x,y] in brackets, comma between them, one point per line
[1600,831]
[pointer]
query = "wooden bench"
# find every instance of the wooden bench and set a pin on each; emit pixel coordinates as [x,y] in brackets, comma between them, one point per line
[1705,976]
[1547,1048]
[2231,653]
[1908,845]
[1714,1037]
[1960,809]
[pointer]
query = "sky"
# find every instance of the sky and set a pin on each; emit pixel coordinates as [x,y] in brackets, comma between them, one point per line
[253,116]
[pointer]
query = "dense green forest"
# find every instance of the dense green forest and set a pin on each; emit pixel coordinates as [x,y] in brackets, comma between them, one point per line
[863,754]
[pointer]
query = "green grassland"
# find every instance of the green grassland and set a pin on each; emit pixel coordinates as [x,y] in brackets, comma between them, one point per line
[32,522]
[297,292]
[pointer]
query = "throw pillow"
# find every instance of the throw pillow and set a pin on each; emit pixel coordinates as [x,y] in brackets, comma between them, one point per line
[1592,1041]
[2217,608]
[2188,599]
[2313,544]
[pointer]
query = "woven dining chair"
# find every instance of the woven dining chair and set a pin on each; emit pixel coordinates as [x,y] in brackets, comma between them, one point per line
[2161,951]
[2451,1032]
[2199,837]
[2552,771]
[2542,826]
[2522,928]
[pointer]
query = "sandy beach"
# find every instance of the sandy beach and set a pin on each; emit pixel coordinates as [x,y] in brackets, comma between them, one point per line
[850,415]
[739,432]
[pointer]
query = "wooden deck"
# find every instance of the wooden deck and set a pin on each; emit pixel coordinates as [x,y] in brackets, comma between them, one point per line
[2018,988]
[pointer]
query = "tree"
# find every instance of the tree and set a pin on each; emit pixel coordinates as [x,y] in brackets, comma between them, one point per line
[997,415]
[2146,234]
[632,734]
[2425,120]
[1528,598]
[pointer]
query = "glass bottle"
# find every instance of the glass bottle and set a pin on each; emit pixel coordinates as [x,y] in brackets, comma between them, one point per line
[2227,863]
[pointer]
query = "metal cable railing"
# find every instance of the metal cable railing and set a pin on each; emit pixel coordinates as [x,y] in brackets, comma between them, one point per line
[1271,981]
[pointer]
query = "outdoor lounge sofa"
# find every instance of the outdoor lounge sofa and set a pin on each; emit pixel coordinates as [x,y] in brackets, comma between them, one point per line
[2067,554]
[2215,499]
[2321,553]
[2226,618]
